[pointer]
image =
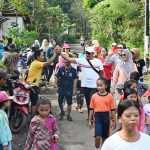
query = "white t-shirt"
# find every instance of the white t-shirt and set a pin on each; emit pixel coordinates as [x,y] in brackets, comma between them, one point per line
[115,142]
[89,76]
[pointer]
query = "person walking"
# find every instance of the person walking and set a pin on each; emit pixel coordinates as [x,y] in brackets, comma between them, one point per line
[67,88]
[128,137]
[49,54]
[91,68]
[43,130]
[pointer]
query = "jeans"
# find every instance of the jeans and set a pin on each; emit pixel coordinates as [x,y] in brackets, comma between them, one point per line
[88,92]
[50,71]
[9,83]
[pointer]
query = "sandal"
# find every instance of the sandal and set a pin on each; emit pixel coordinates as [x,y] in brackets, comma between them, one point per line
[80,111]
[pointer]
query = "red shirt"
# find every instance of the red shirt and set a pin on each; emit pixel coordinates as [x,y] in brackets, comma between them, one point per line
[107,68]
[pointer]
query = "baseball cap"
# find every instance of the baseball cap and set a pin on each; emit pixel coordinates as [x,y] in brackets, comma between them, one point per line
[114,44]
[5,97]
[90,49]
[4,75]
[147,93]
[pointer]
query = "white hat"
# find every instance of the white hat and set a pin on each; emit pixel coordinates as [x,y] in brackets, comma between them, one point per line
[114,44]
[90,49]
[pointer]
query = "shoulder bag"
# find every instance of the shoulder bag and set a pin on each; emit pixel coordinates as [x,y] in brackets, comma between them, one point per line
[98,72]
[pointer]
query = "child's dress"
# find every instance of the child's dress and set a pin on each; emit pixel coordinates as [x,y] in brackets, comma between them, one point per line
[147,114]
[40,134]
[141,125]
[5,133]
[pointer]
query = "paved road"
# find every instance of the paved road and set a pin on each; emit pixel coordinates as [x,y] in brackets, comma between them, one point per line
[74,135]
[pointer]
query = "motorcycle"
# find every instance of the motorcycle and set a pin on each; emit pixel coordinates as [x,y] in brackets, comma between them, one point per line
[43,81]
[20,105]
[82,43]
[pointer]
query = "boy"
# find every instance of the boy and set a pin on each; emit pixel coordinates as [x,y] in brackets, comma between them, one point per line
[67,88]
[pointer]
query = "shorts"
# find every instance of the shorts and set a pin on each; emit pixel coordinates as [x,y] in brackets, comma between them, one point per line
[68,99]
[34,96]
[102,124]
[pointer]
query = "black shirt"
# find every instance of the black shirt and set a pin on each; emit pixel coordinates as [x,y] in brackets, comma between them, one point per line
[140,64]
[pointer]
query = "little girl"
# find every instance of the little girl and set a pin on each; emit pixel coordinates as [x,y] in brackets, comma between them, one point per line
[43,132]
[132,94]
[5,133]
[101,104]
[147,113]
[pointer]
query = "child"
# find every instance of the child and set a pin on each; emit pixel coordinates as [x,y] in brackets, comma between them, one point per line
[101,104]
[5,133]
[20,64]
[79,94]
[147,113]
[43,132]
[132,94]
[67,88]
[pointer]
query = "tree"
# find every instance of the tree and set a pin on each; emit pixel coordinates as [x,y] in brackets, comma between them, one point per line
[91,3]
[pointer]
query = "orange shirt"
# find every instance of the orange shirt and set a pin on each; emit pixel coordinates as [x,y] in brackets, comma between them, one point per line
[102,103]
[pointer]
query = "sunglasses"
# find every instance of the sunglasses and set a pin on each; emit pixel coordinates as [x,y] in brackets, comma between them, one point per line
[119,47]
[88,53]
[122,55]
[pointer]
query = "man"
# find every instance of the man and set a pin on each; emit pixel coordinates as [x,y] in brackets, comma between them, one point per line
[3,77]
[68,81]
[89,75]
[11,63]
[35,74]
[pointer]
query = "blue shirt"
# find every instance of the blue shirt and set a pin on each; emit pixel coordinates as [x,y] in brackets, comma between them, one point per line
[67,78]
[5,133]
[82,55]
[21,63]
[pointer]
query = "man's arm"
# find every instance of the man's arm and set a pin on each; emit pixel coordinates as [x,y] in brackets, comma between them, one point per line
[103,73]
[73,60]
[74,86]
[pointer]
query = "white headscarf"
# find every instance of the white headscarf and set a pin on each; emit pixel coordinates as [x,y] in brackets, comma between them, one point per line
[43,45]
[128,65]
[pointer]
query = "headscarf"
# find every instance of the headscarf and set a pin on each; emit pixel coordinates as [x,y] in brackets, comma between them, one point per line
[128,65]
[43,45]
[37,42]
[136,54]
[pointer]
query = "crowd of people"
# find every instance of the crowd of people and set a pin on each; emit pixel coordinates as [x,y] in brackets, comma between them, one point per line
[112,82]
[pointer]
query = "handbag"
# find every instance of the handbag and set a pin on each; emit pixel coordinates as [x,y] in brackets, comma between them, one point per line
[98,72]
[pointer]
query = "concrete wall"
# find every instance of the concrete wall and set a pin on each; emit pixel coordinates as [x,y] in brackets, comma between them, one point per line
[7,24]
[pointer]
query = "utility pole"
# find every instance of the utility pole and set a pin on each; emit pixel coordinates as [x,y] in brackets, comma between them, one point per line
[146,43]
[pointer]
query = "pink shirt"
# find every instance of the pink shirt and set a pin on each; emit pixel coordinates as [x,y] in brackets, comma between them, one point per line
[119,76]
[141,125]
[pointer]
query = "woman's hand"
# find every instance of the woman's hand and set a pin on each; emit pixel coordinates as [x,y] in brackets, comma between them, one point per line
[90,124]
[5,148]
[55,138]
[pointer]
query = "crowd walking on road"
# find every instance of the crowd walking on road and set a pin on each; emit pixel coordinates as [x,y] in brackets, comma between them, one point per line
[111,81]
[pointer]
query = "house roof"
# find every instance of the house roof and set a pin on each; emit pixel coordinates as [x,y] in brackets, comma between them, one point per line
[3,19]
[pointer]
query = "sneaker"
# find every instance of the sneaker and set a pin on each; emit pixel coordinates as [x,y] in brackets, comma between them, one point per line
[61,115]
[69,118]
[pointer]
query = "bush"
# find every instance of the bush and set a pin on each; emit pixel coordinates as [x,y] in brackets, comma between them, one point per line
[69,38]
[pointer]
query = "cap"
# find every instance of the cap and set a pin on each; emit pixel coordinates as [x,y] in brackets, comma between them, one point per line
[4,75]
[114,44]
[90,49]
[12,47]
[4,96]
[147,93]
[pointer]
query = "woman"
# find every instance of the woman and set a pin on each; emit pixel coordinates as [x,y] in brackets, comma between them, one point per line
[108,68]
[97,49]
[140,63]
[49,54]
[123,70]
[128,137]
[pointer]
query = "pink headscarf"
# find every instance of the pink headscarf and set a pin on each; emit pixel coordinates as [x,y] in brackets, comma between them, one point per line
[128,65]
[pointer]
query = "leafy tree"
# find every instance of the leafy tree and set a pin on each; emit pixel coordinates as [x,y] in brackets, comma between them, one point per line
[91,3]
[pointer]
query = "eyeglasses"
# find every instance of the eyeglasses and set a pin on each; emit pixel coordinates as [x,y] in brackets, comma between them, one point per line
[87,53]
[122,55]
[119,47]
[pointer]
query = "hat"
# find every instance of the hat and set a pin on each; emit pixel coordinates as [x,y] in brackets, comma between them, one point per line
[12,47]
[147,93]
[90,49]
[4,75]
[114,44]
[66,46]
[4,96]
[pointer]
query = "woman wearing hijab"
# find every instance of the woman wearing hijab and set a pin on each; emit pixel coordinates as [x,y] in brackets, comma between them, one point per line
[123,70]
[97,49]
[44,45]
[140,63]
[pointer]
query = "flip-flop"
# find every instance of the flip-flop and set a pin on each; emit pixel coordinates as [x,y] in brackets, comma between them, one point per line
[81,111]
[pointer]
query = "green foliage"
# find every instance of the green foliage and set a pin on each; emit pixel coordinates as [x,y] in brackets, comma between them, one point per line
[18,38]
[119,21]
[69,38]
[91,3]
